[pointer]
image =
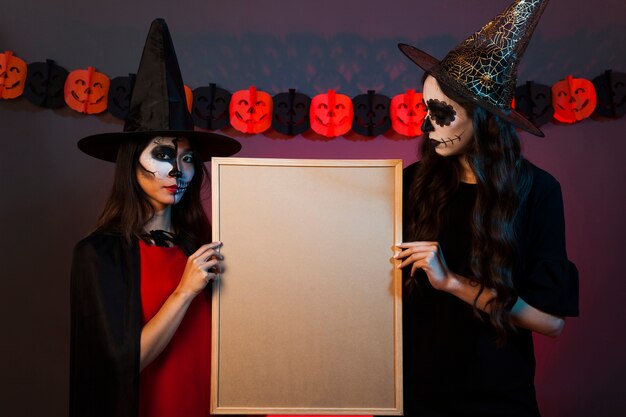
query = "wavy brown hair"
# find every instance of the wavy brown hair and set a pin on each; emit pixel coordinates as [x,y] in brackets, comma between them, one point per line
[127,209]
[503,180]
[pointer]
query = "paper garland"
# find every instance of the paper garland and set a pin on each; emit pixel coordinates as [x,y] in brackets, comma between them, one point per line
[331,114]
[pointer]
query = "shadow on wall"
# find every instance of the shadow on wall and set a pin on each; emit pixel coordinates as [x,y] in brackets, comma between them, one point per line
[353,64]
[348,63]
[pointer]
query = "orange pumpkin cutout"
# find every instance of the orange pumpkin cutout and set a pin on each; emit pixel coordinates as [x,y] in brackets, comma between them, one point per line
[12,75]
[407,113]
[86,91]
[573,99]
[251,111]
[188,98]
[331,114]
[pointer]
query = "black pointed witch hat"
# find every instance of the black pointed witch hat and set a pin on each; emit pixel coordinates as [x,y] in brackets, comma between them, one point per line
[483,68]
[158,106]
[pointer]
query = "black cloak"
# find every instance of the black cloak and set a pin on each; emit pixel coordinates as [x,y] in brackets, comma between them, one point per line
[105,327]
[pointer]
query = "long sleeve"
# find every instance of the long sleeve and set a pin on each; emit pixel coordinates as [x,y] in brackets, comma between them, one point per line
[549,281]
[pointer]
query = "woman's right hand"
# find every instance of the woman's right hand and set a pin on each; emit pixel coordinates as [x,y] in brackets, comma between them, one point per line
[202,266]
[429,257]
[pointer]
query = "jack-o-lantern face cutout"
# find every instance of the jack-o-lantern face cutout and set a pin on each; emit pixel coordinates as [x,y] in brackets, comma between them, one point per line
[12,75]
[574,99]
[120,91]
[611,94]
[407,113]
[371,114]
[534,101]
[86,91]
[44,84]
[210,107]
[331,114]
[251,111]
[291,113]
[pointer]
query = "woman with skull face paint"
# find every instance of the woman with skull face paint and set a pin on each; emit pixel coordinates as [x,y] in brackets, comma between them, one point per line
[485,263]
[141,317]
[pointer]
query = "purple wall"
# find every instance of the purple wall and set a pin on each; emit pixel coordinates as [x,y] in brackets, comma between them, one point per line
[53,193]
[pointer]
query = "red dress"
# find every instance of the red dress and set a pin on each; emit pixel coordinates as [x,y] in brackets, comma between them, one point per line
[176,383]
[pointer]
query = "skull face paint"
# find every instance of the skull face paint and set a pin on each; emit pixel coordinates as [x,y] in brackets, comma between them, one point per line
[452,132]
[166,167]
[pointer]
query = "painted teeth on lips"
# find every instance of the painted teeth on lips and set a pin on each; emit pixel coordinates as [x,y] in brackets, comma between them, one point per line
[179,188]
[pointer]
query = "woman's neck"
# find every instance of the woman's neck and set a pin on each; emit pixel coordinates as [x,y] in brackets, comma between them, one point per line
[162,220]
[466,174]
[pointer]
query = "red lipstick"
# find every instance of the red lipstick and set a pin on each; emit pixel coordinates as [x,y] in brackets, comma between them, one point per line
[171,188]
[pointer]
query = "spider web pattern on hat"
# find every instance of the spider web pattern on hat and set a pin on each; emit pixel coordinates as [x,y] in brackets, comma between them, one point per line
[486,62]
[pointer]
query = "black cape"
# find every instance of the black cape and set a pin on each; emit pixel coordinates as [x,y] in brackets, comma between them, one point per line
[105,327]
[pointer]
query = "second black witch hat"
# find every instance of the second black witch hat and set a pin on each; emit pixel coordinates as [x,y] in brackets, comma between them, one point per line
[158,106]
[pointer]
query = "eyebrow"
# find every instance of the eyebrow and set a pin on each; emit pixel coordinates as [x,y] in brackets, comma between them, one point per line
[181,150]
[168,144]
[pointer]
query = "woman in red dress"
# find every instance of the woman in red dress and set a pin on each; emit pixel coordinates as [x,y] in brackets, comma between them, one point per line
[141,317]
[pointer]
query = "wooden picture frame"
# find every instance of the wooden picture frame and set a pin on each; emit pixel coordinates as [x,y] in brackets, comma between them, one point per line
[306,315]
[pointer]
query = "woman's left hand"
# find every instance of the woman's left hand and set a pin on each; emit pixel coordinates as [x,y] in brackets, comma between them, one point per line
[429,257]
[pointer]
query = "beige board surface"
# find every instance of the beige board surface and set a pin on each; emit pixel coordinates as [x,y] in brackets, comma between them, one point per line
[306,314]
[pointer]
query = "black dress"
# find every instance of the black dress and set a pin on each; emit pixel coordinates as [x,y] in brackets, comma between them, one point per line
[452,366]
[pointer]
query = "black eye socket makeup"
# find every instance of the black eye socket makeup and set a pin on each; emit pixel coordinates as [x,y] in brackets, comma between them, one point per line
[163,153]
[440,112]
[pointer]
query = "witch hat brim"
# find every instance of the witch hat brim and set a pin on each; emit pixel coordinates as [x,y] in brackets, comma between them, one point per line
[158,106]
[105,145]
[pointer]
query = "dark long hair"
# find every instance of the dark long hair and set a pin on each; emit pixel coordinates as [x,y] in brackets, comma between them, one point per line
[127,210]
[503,180]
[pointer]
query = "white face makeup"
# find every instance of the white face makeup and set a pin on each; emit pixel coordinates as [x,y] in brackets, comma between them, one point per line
[449,128]
[168,169]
